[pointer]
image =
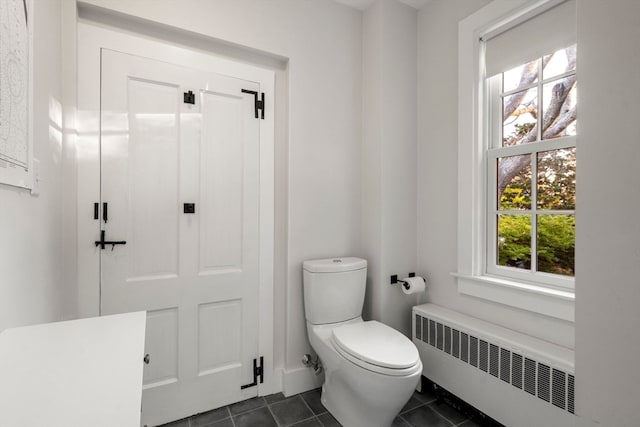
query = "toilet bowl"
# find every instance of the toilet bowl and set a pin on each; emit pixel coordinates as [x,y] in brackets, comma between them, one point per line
[370,369]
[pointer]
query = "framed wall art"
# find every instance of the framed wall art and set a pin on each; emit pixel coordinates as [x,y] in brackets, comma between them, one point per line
[16,139]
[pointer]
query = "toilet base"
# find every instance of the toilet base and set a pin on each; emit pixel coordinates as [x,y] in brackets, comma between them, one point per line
[354,395]
[361,399]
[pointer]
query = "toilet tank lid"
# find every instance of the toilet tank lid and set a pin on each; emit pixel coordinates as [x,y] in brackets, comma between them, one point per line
[334,265]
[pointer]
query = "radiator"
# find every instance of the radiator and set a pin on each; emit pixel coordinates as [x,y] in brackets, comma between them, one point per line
[515,379]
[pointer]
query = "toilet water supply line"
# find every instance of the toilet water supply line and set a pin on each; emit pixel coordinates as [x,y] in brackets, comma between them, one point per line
[313,362]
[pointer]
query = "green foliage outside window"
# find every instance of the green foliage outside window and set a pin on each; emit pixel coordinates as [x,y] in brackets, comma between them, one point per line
[555,233]
[556,242]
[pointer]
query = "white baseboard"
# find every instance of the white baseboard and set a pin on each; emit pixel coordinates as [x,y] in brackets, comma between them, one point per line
[299,380]
[273,383]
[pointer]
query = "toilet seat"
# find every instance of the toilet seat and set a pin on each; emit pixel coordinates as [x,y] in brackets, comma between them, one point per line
[376,347]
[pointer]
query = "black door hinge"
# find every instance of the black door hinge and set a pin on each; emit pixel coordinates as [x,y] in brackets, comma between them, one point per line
[258,371]
[258,103]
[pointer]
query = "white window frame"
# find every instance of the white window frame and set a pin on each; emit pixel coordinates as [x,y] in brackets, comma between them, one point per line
[473,277]
[494,152]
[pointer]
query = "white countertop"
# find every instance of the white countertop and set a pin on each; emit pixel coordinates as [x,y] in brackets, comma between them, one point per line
[76,373]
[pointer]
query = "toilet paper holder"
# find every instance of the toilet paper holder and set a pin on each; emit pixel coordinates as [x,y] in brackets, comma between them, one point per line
[394,280]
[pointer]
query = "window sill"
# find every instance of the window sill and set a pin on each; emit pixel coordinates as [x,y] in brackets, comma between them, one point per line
[549,302]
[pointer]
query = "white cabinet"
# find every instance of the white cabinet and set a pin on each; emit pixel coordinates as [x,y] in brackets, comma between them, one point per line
[76,373]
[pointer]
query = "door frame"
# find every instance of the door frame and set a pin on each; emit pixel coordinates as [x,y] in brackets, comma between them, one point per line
[91,38]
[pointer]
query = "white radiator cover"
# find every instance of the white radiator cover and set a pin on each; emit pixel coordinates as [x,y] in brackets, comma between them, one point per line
[518,380]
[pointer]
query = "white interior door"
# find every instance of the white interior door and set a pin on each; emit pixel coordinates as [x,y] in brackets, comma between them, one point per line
[196,274]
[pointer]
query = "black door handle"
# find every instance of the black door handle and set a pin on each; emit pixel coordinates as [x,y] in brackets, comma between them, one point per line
[102,243]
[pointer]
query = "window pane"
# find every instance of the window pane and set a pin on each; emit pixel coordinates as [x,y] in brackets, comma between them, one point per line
[556,244]
[559,108]
[520,112]
[514,241]
[514,182]
[559,62]
[557,179]
[520,76]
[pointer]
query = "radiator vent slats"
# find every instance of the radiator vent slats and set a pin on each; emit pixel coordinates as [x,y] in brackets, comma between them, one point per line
[516,370]
[505,365]
[544,382]
[536,378]
[473,351]
[455,351]
[559,387]
[447,340]
[571,395]
[464,347]
[530,376]
[494,362]
[425,329]
[432,333]
[483,361]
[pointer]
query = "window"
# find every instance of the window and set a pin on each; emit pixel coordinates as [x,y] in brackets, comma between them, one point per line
[517,155]
[531,164]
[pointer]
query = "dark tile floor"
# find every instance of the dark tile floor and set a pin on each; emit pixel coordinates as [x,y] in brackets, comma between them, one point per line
[306,410]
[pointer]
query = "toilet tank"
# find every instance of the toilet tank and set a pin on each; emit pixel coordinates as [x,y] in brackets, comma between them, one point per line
[334,289]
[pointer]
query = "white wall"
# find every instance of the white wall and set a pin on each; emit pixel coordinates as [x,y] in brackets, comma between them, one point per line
[372,134]
[389,158]
[323,42]
[33,285]
[607,293]
[321,187]
[69,82]
[437,179]
[608,199]
[323,198]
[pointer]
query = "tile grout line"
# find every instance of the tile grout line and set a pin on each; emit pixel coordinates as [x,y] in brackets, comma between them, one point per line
[271,412]
[414,408]
[230,416]
[309,407]
[313,414]
[317,416]
[429,405]
[233,422]
[248,410]
[450,422]
[305,419]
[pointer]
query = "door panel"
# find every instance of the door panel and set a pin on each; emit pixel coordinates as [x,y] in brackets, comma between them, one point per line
[196,273]
[153,180]
[219,322]
[222,189]
[162,343]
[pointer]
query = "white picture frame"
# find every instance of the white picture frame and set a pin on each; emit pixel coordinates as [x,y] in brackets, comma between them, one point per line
[16,89]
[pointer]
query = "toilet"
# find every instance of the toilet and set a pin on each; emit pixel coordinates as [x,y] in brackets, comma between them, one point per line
[371,370]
